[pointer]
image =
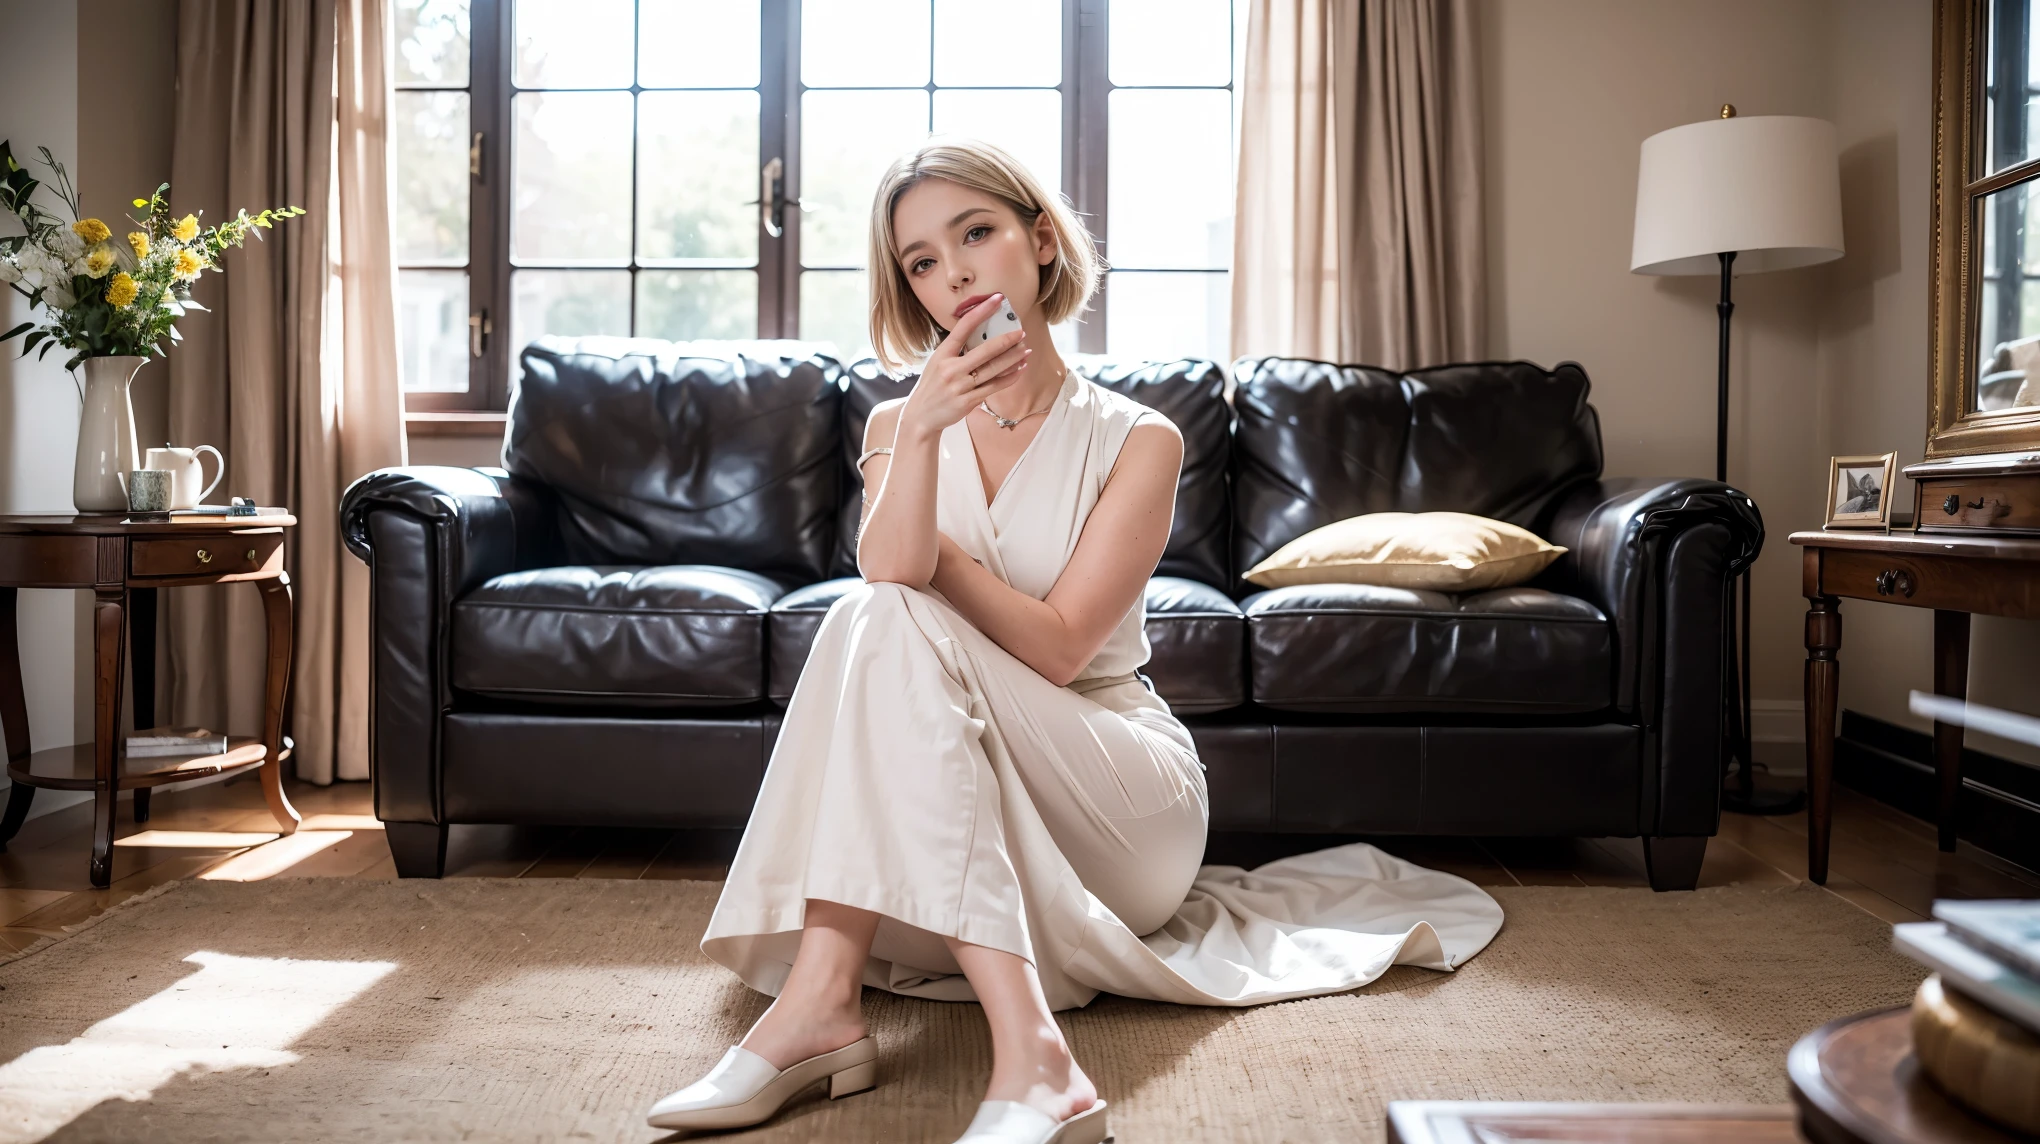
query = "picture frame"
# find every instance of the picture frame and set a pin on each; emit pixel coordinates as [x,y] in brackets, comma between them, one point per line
[1859,491]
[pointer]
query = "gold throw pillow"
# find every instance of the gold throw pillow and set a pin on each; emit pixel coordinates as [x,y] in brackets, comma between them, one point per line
[1438,551]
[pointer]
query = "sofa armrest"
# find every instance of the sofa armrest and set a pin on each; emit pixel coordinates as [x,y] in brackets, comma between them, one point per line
[429,534]
[1660,558]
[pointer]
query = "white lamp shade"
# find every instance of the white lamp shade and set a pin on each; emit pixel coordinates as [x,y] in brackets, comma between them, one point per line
[1765,186]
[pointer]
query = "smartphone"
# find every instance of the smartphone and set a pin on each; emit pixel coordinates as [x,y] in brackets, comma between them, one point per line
[999,323]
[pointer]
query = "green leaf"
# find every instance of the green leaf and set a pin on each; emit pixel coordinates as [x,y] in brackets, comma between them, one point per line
[17,331]
[47,347]
[141,202]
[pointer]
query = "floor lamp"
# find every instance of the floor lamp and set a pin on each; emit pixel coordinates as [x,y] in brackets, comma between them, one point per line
[1751,194]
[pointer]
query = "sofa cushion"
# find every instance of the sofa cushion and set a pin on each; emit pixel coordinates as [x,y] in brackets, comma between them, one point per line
[1196,634]
[1189,391]
[1364,649]
[683,452]
[688,635]
[1318,443]
[1197,642]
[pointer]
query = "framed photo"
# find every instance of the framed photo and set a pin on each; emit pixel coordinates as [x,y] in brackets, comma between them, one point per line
[1859,491]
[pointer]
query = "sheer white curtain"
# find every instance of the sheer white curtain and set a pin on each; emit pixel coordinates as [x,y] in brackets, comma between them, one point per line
[293,375]
[1359,234]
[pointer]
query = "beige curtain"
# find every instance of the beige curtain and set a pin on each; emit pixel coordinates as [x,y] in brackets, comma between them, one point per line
[293,374]
[1359,235]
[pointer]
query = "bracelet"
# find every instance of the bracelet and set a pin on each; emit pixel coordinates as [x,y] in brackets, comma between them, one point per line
[869,454]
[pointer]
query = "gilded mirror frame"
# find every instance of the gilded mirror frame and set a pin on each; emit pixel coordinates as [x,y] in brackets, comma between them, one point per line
[1954,426]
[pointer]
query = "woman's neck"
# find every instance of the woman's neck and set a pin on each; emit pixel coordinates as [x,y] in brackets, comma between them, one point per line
[1040,379]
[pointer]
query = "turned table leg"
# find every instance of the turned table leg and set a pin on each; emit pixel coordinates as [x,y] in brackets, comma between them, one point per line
[142,652]
[13,719]
[109,631]
[1823,693]
[1951,678]
[276,610]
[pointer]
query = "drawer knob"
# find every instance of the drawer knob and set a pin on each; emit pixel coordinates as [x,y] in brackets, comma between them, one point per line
[204,557]
[1952,505]
[1895,580]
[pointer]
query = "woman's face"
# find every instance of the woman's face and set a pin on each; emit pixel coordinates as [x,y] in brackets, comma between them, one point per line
[957,246]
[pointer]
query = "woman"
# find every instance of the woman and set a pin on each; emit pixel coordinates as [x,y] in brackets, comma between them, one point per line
[974,795]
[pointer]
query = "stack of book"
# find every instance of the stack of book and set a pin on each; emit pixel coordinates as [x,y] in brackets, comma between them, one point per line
[161,742]
[1976,1022]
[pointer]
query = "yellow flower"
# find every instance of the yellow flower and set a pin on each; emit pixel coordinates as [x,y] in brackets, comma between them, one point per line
[189,263]
[139,240]
[121,291]
[186,228]
[98,263]
[91,230]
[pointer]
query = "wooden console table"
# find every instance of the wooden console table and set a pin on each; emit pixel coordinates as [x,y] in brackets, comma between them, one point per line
[122,562]
[1955,575]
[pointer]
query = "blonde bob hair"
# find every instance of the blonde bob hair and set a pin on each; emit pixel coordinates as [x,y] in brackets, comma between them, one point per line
[902,330]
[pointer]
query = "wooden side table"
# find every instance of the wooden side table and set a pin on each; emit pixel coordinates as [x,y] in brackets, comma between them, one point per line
[1856,1082]
[122,561]
[1953,574]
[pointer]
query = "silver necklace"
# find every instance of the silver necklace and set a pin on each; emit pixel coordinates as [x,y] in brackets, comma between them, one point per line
[1009,422]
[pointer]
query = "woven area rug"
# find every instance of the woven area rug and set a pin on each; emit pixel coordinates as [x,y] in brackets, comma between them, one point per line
[541,1010]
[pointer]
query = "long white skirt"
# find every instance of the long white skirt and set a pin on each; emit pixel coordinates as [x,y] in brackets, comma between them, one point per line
[924,773]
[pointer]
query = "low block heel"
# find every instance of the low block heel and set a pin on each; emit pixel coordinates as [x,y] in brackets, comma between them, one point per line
[853,1080]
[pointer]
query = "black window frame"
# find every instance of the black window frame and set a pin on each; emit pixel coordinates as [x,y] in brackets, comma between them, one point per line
[1085,86]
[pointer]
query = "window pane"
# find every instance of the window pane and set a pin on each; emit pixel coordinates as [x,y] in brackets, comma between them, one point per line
[574,43]
[697,164]
[1160,317]
[570,184]
[2011,68]
[2008,306]
[698,43]
[432,327]
[864,43]
[575,303]
[835,307]
[1169,174]
[1016,43]
[685,304]
[430,169]
[1173,42]
[1027,124]
[848,138]
[432,42]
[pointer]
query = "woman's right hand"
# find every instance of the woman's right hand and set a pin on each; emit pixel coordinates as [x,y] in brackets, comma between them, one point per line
[956,379]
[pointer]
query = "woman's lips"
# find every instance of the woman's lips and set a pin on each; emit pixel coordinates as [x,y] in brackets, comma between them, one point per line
[966,304]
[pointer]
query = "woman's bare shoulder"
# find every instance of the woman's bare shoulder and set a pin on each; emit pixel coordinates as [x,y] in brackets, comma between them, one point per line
[883,419]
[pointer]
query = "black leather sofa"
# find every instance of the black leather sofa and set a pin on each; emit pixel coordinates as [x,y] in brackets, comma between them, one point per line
[605,631]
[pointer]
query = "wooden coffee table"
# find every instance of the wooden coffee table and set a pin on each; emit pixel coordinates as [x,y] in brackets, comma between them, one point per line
[122,561]
[1505,1122]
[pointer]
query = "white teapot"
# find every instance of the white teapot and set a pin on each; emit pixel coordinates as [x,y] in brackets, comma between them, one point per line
[186,473]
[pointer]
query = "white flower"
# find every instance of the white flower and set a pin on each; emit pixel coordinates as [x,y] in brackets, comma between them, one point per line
[57,295]
[9,274]
[65,244]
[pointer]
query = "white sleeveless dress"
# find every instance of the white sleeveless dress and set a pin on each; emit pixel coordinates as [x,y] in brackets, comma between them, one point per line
[926,774]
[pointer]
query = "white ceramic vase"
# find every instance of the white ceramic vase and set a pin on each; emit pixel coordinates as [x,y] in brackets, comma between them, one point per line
[106,435]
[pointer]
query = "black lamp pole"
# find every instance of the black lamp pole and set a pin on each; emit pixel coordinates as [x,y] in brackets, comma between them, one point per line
[1740,794]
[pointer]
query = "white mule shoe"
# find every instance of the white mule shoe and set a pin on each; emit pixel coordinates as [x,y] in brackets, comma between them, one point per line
[1011,1122]
[744,1089]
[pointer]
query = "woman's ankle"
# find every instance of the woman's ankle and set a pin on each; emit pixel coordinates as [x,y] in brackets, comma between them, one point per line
[790,1032]
[1040,1071]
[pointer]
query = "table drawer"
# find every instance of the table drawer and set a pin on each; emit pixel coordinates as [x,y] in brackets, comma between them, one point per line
[206,555]
[1981,502]
[1956,583]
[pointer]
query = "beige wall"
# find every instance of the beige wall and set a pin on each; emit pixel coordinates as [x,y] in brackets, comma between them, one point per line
[1824,360]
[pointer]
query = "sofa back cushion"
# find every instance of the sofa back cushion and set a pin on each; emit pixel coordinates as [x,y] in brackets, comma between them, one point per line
[1318,443]
[684,453]
[1189,391]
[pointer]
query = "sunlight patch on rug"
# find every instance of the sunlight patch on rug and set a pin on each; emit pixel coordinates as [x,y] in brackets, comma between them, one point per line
[234,1013]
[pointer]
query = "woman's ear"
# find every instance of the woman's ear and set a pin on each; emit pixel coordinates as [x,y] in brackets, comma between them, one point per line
[1045,244]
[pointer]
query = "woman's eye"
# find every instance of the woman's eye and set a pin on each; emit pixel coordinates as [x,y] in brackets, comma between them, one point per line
[920,264]
[976,232]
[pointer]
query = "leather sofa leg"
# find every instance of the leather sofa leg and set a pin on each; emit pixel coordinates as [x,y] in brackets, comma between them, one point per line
[418,848]
[1674,863]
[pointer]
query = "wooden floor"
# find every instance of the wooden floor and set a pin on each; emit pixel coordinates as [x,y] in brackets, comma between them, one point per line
[1883,861]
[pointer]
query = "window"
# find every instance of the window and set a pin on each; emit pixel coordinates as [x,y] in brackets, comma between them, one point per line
[703,168]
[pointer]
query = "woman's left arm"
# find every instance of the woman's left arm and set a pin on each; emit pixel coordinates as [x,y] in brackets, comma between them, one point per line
[1121,543]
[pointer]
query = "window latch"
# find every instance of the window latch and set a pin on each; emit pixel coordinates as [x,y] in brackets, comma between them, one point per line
[479,329]
[475,157]
[771,200]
